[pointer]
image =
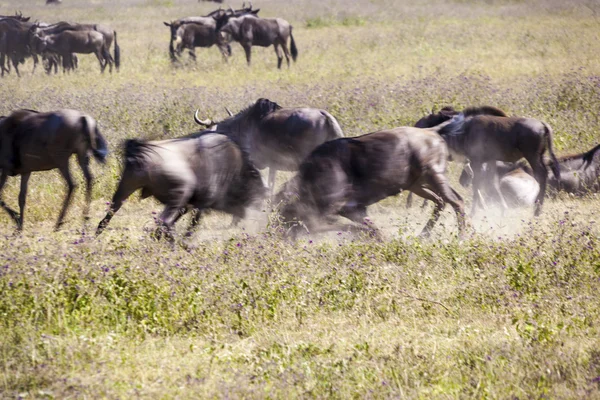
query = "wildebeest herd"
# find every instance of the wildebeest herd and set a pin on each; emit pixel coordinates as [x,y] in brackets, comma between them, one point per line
[218,168]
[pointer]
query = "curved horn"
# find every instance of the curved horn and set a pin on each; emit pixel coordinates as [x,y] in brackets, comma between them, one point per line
[250,6]
[231,9]
[229,112]
[206,122]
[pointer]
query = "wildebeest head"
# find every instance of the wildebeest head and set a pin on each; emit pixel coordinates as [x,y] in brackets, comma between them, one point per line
[252,114]
[435,119]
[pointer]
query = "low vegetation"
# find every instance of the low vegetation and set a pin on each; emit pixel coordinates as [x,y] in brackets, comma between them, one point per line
[510,311]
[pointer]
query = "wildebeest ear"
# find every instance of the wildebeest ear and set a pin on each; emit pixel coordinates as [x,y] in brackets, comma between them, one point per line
[166,23]
[263,107]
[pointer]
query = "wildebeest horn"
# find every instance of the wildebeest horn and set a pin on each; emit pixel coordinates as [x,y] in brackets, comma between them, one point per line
[206,122]
[229,112]
[250,5]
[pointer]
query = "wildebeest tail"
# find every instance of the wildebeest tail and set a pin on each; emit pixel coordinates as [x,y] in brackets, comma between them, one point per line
[554,165]
[117,53]
[96,141]
[336,129]
[293,48]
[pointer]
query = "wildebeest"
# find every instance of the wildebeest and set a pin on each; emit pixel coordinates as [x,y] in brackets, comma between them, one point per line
[68,42]
[191,32]
[14,44]
[40,31]
[32,141]
[55,2]
[253,31]
[518,188]
[487,138]
[445,114]
[275,137]
[202,171]
[345,176]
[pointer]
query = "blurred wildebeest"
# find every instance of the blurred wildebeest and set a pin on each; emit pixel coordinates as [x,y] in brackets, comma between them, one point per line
[579,175]
[445,114]
[201,171]
[31,141]
[55,2]
[345,176]
[68,42]
[250,30]
[518,188]
[275,137]
[214,1]
[487,138]
[14,44]
[40,31]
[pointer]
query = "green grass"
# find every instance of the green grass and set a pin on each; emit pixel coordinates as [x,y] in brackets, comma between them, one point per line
[509,312]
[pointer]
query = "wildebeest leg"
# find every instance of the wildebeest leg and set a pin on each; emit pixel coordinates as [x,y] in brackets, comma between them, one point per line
[22,198]
[247,49]
[540,173]
[196,215]
[101,61]
[439,184]
[439,206]
[15,62]
[84,163]
[13,214]
[64,170]
[192,53]
[493,175]
[271,183]
[35,63]
[358,214]
[125,189]
[279,56]
[286,52]
[477,178]
[166,220]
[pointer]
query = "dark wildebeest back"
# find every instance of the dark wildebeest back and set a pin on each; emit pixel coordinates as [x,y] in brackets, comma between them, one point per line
[32,141]
[202,171]
[278,138]
[253,31]
[345,176]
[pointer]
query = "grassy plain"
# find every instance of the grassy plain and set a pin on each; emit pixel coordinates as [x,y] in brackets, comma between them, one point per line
[510,312]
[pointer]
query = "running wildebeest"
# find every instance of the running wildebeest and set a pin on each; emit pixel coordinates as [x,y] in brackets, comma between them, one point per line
[487,138]
[445,114]
[201,171]
[42,30]
[345,176]
[275,137]
[253,31]
[518,188]
[32,141]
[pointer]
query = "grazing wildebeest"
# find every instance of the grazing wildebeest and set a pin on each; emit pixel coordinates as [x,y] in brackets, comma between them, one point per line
[31,141]
[202,171]
[487,138]
[345,176]
[253,31]
[445,114]
[68,42]
[42,30]
[275,137]
[518,188]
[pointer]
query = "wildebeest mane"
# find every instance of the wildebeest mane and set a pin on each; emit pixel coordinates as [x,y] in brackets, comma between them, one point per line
[136,152]
[483,110]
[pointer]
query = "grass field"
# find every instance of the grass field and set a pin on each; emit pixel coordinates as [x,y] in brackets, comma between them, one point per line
[511,311]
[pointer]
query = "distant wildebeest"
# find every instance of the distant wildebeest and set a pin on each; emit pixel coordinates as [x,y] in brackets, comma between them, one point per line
[487,138]
[345,176]
[253,31]
[41,31]
[68,42]
[445,114]
[275,137]
[518,188]
[31,141]
[202,171]
[55,2]
[191,32]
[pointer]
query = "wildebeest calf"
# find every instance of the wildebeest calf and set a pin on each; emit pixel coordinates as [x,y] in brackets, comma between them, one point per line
[345,176]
